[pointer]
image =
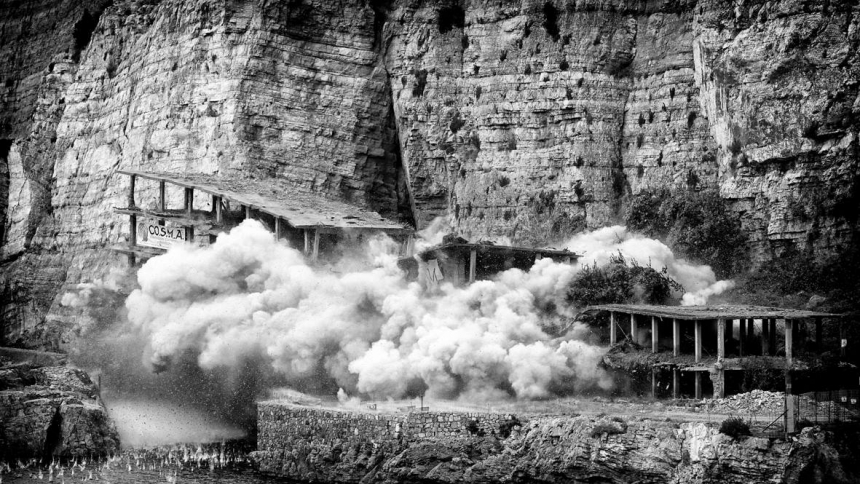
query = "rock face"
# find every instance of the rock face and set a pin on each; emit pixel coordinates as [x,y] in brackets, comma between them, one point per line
[528,120]
[332,446]
[52,412]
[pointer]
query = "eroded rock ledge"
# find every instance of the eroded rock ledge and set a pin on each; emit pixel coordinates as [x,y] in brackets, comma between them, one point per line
[52,411]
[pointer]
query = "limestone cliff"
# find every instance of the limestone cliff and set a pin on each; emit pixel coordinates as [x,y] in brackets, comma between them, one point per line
[528,119]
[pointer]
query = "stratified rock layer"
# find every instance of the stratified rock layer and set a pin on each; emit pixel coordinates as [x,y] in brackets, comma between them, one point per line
[523,120]
[52,412]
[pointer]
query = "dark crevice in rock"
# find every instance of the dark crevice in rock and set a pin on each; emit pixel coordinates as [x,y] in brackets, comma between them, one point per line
[53,436]
[84,29]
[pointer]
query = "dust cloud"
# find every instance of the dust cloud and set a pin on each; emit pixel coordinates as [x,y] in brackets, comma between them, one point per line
[212,329]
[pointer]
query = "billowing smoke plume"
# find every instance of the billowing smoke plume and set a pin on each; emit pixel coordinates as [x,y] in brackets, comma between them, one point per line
[598,246]
[368,331]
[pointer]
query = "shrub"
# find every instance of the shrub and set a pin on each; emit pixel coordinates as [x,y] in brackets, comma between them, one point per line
[420,82]
[734,427]
[472,428]
[506,427]
[619,283]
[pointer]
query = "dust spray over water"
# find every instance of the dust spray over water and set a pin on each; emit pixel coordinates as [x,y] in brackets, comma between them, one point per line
[223,323]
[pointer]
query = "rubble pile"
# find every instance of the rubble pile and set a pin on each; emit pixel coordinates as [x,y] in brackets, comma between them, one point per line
[754,402]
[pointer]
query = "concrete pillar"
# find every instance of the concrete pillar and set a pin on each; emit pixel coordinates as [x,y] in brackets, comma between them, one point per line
[473,263]
[162,196]
[219,214]
[307,242]
[772,336]
[189,200]
[721,339]
[247,211]
[676,337]
[750,335]
[698,394]
[790,411]
[132,234]
[789,341]
[653,382]
[634,336]
[676,383]
[613,331]
[131,183]
[719,381]
[277,228]
[316,253]
[655,334]
[742,337]
[765,337]
[698,338]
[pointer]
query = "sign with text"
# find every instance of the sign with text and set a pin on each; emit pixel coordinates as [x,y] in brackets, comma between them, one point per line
[432,273]
[150,234]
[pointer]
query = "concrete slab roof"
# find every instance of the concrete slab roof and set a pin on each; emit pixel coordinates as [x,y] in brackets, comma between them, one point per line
[722,311]
[299,209]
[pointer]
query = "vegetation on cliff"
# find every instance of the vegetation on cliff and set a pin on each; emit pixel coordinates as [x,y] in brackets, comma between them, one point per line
[697,224]
[622,281]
